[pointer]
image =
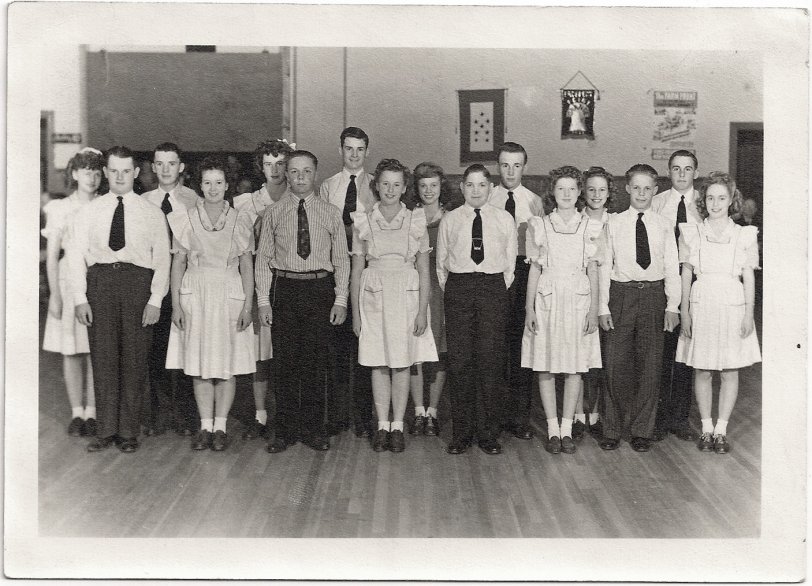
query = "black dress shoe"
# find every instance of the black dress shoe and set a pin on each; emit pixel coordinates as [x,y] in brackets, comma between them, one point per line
[609,444]
[521,431]
[578,429]
[458,446]
[596,428]
[129,445]
[89,427]
[640,444]
[567,445]
[380,443]
[184,431]
[419,425]
[75,427]
[684,432]
[432,426]
[363,430]
[397,442]
[254,430]
[659,434]
[100,443]
[553,445]
[705,443]
[721,445]
[201,440]
[490,446]
[276,445]
[316,442]
[220,441]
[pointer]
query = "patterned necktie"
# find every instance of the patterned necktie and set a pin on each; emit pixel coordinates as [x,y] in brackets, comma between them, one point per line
[641,237]
[477,245]
[510,205]
[303,232]
[350,201]
[166,205]
[682,216]
[116,241]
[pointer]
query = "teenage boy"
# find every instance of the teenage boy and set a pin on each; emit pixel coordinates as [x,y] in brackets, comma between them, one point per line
[302,265]
[270,159]
[476,257]
[640,294]
[677,205]
[521,204]
[172,403]
[349,191]
[119,272]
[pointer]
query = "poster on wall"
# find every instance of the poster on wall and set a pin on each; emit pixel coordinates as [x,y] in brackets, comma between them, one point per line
[482,125]
[674,120]
[577,113]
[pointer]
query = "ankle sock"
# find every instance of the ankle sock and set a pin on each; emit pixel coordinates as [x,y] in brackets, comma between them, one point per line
[578,417]
[566,427]
[420,411]
[220,424]
[262,416]
[594,418]
[431,412]
[707,425]
[397,426]
[721,427]
[78,412]
[384,425]
[552,427]
[90,412]
[207,424]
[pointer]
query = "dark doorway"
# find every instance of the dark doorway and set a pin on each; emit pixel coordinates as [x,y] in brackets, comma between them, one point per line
[747,158]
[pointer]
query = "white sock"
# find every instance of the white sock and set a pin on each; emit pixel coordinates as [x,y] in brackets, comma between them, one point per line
[578,417]
[721,427]
[78,412]
[552,427]
[220,423]
[420,411]
[594,418]
[397,426]
[707,425]
[431,412]
[262,416]
[384,425]
[90,412]
[566,427]
[207,424]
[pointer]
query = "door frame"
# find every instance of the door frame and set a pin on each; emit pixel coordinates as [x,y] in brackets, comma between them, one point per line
[733,152]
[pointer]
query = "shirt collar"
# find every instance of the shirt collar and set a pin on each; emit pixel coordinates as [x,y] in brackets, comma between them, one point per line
[397,221]
[204,217]
[722,238]
[172,192]
[690,196]
[127,196]
[308,199]
[346,173]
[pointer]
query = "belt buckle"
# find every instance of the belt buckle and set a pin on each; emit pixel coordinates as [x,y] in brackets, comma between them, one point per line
[640,285]
[116,265]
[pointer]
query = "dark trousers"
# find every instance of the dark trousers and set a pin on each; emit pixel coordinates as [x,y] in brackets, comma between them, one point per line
[171,396]
[595,382]
[119,345]
[676,386]
[349,392]
[633,359]
[301,330]
[476,311]
[520,380]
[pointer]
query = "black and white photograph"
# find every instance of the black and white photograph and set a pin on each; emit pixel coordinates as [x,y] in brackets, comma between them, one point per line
[330,294]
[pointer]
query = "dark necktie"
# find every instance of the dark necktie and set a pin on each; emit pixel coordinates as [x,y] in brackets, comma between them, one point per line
[350,201]
[477,245]
[303,232]
[510,205]
[641,236]
[166,208]
[682,216]
[116,241]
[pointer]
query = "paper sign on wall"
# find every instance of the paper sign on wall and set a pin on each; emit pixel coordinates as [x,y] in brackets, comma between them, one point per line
[674,118]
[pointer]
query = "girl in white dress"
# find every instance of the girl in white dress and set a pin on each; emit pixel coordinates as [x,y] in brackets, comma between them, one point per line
[562,304]
[718,331]
[212,277]
[63,332]
[390,290]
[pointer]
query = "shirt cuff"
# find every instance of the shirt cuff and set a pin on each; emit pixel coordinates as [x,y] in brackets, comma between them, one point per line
[672,308]
[603,309]
[263,300]
[79,299]
[341,300]
[155,300]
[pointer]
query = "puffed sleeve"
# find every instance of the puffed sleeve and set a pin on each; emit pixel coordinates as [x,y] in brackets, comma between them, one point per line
[54,218]
[747,249]
[689,243]
[243,241]
[536,241]
[418,234]
[181,227]
[361,232]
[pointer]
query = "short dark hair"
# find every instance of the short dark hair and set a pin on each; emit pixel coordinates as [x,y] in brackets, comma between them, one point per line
[476,168]
[354,132]
[683,153]
[596,171]
[641,169]
[211,163]
[168,147]
[84,159]
[390,165]
[303,153]
[512,147]
[121,152]
[428,170]
[719,178]
[273,147]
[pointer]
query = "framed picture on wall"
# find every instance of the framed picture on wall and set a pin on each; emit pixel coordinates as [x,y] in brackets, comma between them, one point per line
[482,125]
[577,112]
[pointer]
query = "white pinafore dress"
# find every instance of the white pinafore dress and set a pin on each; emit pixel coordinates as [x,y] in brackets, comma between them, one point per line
[717,297]
[211,295]
[562,249]
[390,288]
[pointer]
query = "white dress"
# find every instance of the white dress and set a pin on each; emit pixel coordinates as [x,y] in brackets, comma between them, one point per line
[390,288]
[562,249]
[211,294]
[717,297]
[64,335]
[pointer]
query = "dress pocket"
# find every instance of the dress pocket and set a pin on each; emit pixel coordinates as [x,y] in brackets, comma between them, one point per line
[583,293]
[544,295]
[235,300]
[372,295]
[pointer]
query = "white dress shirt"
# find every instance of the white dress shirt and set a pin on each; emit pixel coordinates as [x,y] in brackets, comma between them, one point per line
[621,256]
[528,204]
[334,190]
[145,242]
[180,196]
[454,243]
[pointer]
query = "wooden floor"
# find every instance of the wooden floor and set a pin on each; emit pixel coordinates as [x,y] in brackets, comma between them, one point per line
[167,490]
